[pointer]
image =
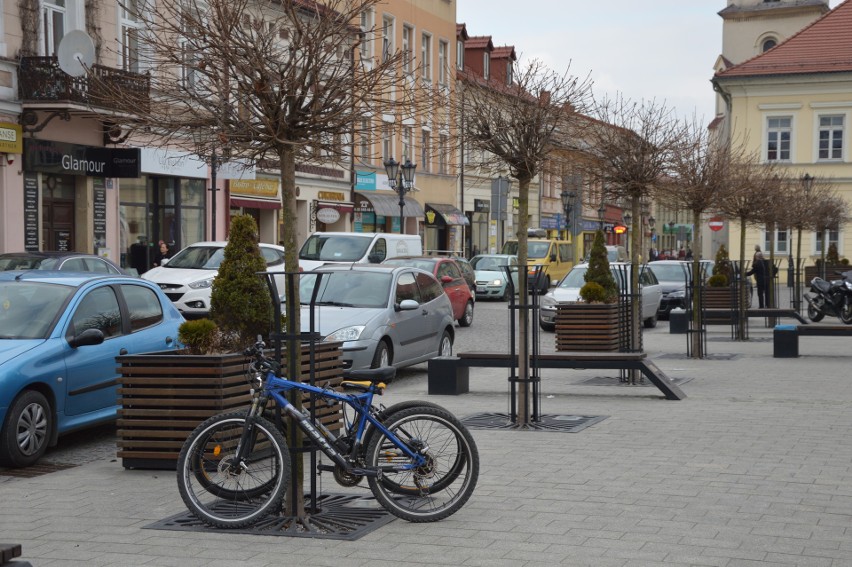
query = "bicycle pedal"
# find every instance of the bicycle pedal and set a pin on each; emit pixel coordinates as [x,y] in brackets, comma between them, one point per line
[367,472]
[327,468]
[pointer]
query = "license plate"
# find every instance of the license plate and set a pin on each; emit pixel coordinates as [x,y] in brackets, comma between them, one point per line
[480,289]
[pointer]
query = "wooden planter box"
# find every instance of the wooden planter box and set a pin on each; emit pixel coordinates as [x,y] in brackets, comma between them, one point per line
[813,271]
[587,327]
[164,396]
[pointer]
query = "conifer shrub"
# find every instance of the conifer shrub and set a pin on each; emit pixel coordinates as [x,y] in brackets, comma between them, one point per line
[599,273]
[240,304]
[721,267]
[199,336]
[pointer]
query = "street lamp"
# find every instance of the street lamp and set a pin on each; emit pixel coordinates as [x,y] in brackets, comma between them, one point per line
[203,137]
[568,198]
[627,218]
[807,184]
[601,213]
[401,180]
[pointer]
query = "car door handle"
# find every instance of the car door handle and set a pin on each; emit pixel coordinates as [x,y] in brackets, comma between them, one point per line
[122,351]
[424,312]
[169,340]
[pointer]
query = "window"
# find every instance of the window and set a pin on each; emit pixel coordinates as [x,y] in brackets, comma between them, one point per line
[407,143]
[53,25]
[387,141]
[407,56]
[443,143]
[129,40]
[831,137]
[406,288]
[387,38]
[509,73]
[98,310]
[833,238]
[459,55]
[782,241]
[486,65]
[365,140]
[143,305]
[367,29]
[443,68]
[768,44]
[430,289]
[779,130]
[425,150]
[426,57]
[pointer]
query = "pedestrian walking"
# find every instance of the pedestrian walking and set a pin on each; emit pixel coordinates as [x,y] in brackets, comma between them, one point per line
[760,271]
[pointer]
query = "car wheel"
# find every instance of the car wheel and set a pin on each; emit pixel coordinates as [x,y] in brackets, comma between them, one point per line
[445,347]
[382,356]
[550,327]
[651,322]
[506,294]
[467,316]
[26,433]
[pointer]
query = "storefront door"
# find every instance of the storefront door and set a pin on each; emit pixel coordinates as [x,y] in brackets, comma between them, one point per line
[58,213]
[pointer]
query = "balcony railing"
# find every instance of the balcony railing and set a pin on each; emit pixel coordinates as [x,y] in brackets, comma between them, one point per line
[41,80]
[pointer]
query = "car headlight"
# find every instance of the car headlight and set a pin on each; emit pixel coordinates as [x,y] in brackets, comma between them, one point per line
[202,284]
[497,282]
[678,294]
[346,334]
[548,302]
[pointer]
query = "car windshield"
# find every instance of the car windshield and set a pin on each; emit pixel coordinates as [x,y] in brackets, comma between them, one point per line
[669,272]
[574,279]
[198,258]
[347,289]
[492,263]
[335,248]
[537,249]
[422,263]
[28,308]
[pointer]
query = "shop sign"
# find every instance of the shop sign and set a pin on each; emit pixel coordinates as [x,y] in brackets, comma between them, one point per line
[328,216]
[481,206]
[31,212]
[160,161]
[365,180]
[330,196]
[264,188]
[11,138]
[74,159]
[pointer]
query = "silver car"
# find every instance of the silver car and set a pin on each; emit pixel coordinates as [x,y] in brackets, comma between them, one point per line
[491,280]
[384,315]
[568,289]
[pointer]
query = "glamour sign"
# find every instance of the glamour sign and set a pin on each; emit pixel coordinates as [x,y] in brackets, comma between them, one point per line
[74,159]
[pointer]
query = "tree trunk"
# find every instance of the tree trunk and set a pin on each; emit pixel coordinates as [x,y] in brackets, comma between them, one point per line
[295,499]
[697,314]
[524,335]
[635,306]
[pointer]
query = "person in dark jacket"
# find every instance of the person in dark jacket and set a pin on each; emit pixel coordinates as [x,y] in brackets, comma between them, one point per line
[760,271]
[164,252]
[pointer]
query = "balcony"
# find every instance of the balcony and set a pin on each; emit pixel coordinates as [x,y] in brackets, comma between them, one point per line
[40,80]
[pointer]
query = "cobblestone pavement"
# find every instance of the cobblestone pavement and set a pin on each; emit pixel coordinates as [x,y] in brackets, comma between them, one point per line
[754,467]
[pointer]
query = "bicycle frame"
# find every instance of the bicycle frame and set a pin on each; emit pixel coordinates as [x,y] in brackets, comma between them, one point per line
[275,387]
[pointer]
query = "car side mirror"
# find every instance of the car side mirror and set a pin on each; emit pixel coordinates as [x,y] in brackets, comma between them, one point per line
[446,279]
[553,257]
[88,337]
[407,305]
[375,258]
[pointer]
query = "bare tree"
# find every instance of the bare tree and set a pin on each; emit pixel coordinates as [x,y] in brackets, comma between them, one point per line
[700,180]
[829,212]
[633,144]
[267,82]
[516,127]
[751,205]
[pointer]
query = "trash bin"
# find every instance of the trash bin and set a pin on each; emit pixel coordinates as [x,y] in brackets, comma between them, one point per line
[785,341]
[678,323]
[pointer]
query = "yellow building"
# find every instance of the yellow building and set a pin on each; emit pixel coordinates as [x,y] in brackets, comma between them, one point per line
[793,104]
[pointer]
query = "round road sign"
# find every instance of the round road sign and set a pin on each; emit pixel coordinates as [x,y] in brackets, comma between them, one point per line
[716,224]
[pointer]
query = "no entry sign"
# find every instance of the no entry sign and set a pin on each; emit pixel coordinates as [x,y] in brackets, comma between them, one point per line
[716,224]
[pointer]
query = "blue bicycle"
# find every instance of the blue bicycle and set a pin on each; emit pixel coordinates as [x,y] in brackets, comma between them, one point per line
[420,461]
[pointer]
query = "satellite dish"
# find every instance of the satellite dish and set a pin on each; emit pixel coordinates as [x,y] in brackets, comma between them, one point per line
[76,52]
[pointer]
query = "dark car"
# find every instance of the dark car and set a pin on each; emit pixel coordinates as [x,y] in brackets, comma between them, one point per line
[467,271]
[62,261]
[447,271]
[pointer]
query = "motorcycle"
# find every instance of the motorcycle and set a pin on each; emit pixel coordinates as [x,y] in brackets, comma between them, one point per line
[832,298]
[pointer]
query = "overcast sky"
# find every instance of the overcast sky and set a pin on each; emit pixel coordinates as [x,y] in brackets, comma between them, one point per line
[657,49]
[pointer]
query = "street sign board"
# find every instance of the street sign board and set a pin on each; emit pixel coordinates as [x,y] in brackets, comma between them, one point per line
[716,224]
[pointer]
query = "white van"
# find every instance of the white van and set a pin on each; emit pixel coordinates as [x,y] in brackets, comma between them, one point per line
[356,247]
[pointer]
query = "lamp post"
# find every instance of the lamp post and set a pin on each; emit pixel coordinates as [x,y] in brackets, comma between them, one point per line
[401,180]
[568,198]
[205,138]
[807,184]
[601,213]
[628,218]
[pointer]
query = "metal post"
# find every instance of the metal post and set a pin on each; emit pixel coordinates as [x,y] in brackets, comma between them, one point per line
[401,190]
[213,166]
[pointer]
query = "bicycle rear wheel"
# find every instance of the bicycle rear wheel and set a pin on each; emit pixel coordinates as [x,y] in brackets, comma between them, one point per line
[443,484]
[222,491]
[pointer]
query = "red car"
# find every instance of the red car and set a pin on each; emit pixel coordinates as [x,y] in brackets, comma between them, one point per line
[447,271]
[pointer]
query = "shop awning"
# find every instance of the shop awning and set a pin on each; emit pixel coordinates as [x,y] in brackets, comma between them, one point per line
[386,204]
[449,214]
[255,203]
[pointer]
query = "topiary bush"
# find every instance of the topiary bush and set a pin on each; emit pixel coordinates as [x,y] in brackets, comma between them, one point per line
[593,292]
[722,266]
[717,280]
[832,258]
[200,336]
[599,273]
[240,303]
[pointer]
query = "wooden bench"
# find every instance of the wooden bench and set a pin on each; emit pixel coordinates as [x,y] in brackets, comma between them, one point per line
[9,551]
[448,375]
[723,316]
[785,338]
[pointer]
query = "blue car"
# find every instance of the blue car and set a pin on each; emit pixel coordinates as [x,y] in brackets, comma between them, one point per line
[59,335]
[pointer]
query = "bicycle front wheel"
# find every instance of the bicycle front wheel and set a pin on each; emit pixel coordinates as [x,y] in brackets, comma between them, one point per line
[443,484]
[223,490]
